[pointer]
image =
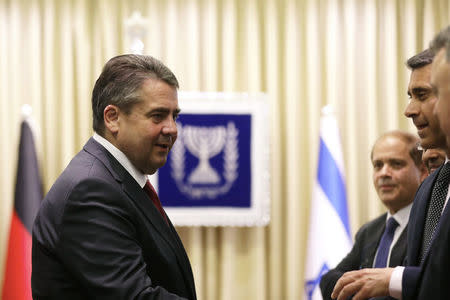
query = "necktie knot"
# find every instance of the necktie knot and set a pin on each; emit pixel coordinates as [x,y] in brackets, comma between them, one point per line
[391,225]
[148,188]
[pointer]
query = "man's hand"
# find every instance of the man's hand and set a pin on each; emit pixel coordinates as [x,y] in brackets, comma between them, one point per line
[363,284]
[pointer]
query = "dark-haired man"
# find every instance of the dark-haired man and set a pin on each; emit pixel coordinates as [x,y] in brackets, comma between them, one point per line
[101,232]
[434,276]
[403,282]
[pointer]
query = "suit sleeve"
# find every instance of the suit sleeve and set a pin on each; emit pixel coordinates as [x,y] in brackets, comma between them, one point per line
[410,281]
[99,246]
[350,263]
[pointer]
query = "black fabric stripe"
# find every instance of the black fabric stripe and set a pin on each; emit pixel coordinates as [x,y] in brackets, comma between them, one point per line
[28,193]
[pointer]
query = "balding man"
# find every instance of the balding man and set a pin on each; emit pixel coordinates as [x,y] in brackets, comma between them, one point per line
[397,173]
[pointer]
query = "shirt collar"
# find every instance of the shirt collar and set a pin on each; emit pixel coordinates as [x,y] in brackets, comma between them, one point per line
[140,178]
[401,216]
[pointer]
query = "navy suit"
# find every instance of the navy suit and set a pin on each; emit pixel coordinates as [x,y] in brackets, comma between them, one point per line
[435,276]
[98,236]
[429,280]
[363,252]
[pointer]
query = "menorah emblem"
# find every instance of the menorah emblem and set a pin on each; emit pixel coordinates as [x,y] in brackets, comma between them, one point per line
[204,143]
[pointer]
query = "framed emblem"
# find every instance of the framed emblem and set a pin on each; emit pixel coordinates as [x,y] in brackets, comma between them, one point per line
[217,173]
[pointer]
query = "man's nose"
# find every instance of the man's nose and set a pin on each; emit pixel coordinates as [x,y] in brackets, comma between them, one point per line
[170,127]
[411,109]
[385,170]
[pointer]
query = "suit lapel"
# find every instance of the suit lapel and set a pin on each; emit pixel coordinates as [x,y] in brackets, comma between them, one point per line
[187,271]
[438,232]
[140,198]
[399,250]
[132,189]
[416,222]
[167,231]
[374,235]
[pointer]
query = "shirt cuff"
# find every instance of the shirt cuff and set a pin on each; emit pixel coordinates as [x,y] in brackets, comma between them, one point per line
[395,283]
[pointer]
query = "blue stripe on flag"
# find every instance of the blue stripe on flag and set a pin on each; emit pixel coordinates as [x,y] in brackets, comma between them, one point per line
[330,179]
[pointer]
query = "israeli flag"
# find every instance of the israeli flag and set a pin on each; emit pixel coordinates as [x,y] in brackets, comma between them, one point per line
[329,238]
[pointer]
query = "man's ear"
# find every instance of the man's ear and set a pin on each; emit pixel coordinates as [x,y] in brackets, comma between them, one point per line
[111,118]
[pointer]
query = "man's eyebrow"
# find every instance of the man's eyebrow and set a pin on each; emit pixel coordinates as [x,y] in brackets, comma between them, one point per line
[159,109]
[395,159]
[419,90]
[163,110]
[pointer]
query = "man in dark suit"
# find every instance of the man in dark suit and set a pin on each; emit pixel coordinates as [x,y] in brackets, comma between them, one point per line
[434,276]
[101,232]
[424,225]
[397,173]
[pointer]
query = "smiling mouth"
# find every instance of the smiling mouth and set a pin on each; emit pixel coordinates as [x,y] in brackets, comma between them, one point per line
[164,146]
[420,127]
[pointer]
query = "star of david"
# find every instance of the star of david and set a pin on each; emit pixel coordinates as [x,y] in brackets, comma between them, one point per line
[311,284]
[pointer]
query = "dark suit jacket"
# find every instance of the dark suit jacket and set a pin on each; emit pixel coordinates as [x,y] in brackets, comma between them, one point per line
[430,280]
[434,281]
[363,253]
[98,236]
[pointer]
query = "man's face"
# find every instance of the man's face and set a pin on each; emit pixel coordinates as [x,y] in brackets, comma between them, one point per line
[395,175]
[440,81]
[433,159]
[420,108]
[148,131]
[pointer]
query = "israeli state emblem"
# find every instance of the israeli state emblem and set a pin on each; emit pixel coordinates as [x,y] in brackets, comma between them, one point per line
[205,143]
[210,160]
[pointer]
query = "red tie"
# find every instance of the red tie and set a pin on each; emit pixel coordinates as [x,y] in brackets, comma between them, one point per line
[148,188]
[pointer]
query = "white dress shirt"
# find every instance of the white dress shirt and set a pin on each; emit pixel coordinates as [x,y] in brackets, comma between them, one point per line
[402,217]
[140,178]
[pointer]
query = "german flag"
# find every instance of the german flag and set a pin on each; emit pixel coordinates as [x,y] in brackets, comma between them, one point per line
[28,196]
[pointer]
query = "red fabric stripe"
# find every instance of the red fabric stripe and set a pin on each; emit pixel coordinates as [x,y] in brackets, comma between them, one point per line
[17,277]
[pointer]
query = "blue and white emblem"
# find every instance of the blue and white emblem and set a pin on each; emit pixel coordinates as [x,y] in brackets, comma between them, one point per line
[209,164]
[217,172]
[205,143]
